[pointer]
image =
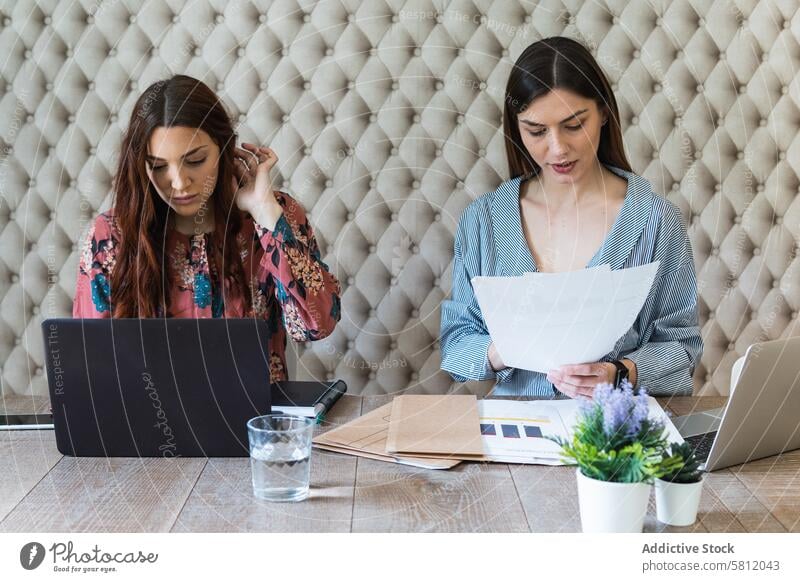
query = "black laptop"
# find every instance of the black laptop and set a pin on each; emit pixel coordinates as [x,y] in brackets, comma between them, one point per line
[156,387]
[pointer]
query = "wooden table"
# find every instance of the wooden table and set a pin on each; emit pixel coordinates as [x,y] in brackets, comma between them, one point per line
[41,490]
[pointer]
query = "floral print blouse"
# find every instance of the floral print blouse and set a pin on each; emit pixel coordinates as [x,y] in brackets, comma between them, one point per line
[290,285]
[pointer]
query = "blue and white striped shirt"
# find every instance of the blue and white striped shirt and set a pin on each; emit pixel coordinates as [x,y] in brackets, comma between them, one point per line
[664,341]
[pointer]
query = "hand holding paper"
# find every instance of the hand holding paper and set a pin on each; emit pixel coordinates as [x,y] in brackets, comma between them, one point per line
[580,380]
[541,321]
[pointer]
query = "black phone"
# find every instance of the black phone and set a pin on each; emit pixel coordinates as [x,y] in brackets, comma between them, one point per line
[26,421]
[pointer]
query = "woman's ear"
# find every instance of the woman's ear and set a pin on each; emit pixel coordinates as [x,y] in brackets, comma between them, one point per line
[603,111]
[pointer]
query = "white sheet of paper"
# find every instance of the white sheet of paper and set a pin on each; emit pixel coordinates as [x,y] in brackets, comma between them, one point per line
[540,321]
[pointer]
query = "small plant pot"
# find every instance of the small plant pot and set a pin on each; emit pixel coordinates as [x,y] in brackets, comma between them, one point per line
[677,503]
[608,507]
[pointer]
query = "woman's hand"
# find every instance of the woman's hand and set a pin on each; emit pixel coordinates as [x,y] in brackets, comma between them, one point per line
[579,380]
[495,361]
[253,185]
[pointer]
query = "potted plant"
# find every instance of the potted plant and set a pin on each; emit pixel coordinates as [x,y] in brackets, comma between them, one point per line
[678,491]
[619,451]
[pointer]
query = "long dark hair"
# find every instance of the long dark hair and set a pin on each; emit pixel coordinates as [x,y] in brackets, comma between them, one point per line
[138,280]
[559,63]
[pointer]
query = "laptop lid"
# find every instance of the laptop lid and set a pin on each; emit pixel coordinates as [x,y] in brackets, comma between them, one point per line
[156,387]
[761,418]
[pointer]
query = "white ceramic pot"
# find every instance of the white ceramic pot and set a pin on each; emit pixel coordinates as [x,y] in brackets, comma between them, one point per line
[677,503]
[612,507]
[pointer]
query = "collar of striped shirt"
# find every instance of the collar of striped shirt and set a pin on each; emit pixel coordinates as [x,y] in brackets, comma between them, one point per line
[515,257]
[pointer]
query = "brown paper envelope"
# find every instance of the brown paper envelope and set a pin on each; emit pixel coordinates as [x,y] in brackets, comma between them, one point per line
[366,436]
[323,444]
[476,458]
[446,424]
[400,459]
[367,432]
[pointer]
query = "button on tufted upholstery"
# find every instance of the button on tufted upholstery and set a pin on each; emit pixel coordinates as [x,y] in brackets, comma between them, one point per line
[387,120]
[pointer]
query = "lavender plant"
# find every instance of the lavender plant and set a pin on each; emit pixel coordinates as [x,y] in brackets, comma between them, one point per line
[614,440]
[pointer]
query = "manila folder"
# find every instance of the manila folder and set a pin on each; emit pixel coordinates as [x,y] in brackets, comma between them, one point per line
[446,424]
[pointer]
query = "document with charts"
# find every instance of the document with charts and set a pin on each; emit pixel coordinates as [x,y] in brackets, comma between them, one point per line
[540,321]
[516,431]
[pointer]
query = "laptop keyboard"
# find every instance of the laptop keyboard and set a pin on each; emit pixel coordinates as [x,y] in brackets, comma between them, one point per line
[701,443]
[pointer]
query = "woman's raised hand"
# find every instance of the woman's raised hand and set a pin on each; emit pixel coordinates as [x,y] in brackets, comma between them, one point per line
[254,193]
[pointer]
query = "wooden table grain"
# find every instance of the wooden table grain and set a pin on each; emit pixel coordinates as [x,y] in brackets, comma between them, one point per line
[43,491]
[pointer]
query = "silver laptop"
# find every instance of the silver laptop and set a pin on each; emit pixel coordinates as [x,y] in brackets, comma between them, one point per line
[762,417]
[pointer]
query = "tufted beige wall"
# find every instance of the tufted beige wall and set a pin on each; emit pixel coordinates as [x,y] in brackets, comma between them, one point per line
[386,116]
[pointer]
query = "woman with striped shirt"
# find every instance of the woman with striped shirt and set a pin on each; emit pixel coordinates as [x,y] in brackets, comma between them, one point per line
[572,202]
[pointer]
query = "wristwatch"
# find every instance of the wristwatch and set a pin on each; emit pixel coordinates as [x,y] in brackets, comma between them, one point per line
[622,373]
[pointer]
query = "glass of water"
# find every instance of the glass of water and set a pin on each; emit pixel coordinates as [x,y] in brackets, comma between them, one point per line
[280,453]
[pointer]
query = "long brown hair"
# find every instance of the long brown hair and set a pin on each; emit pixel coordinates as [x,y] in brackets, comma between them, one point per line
[138,280]
[559,63]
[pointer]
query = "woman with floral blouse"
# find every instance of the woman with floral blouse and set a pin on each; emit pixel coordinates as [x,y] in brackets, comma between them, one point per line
[197,230]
